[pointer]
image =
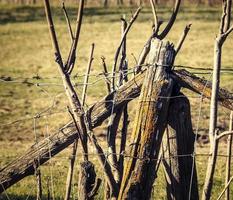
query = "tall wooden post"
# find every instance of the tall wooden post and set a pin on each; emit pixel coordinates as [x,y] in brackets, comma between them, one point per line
[139,173]
[178,147]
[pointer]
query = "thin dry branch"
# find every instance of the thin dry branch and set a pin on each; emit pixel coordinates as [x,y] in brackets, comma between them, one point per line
[123,79]
[228,15]
[74,151]
[53,33]
[171,21]
[68,22]
[77,110]
[153,6]
[71,58]
[115,117]
[71,170]
[182,38]
[134,17]
[69,89]
[87,74]
[107,80]
[227,186]
[224,35]
[223,134]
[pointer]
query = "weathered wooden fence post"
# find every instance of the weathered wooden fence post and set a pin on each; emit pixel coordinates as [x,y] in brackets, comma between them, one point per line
[178,146]
[151,118]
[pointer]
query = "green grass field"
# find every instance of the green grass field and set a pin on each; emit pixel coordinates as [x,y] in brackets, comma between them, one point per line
[26,53]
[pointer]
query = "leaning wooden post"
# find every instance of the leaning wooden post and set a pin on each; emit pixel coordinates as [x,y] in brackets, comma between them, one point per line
[139,173]
[178,144]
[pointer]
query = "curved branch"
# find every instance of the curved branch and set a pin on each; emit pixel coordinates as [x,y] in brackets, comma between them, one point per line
[68,21]
[171,21]
[225,133]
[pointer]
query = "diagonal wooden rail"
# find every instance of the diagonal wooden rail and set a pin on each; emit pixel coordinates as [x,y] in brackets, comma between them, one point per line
[26,164]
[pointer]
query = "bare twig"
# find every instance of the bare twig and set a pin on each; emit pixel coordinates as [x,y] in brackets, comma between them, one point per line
[115,118]
[226,187]
[134,17]
[123,70]
[69,89]
[123,62]
[224,35]
[74,151]
[228,17]
[123,140]
[77,127]
[71,59]
[146,48]
[223,19]
[107,81]
[225,133]
[87,74]
[53,34]
[171,21]
[182,38]
[68,21]
[83,126]
[153,6]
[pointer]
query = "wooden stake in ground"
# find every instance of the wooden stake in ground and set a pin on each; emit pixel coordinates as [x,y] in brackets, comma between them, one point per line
[178,147]
[150,122]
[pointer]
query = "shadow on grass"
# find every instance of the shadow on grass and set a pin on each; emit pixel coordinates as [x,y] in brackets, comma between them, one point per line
[15,14]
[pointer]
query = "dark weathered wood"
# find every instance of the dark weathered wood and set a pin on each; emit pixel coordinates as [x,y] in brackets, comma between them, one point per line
[178,147]
[88,182]
[49,147]
[150,122]
[202,86]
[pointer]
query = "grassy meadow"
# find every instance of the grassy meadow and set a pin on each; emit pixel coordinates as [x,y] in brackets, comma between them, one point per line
[30,84]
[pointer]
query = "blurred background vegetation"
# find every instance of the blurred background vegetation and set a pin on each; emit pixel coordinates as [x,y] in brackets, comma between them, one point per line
[107,3]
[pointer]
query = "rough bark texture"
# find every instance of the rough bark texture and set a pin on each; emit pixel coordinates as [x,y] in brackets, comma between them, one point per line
[139,174]
[88,183]
[202,86]
[178,147]
[24,165]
